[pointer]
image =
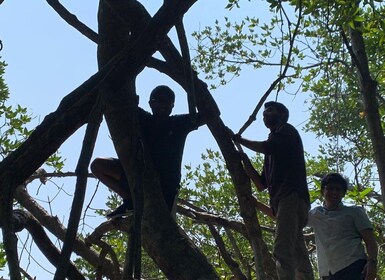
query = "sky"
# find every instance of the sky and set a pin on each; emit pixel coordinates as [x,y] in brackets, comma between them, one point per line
[47,59]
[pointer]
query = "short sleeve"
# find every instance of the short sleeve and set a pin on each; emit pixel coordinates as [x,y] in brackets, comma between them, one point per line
[361,220]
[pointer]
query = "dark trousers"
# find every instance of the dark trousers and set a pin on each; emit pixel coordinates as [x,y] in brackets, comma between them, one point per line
[351,272]
[290,252]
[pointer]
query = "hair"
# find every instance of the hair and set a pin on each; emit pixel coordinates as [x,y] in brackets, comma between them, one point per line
[335,178]
[162,92]
[280,108]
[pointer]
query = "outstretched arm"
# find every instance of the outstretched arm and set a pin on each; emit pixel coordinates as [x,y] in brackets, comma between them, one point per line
[256,146]
[199,121]
[371,249]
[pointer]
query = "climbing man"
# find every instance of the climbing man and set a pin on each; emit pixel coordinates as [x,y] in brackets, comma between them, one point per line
[284,176]
[164,135]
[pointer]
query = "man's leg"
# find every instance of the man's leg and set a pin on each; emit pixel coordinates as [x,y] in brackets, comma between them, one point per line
[304,269]
[110,172]
[286,236]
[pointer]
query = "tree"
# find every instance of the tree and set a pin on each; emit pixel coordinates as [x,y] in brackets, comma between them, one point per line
[127,39]
[335,40]
[84,106]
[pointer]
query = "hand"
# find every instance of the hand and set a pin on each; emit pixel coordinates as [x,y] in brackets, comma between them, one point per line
[237,138]
[370,270]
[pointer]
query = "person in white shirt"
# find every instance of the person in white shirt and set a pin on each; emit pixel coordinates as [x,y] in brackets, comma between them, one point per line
[339,231]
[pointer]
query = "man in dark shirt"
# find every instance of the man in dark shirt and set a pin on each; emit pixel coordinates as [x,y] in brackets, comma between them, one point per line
[165,136]
[284,175]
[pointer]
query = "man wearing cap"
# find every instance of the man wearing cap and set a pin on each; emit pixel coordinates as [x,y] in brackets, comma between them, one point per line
[284,176]
[165,136]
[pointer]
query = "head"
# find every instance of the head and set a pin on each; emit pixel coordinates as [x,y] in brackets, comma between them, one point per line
[161,101]
[333,188]
[275,114]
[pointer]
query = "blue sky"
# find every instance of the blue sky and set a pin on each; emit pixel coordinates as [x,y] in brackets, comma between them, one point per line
[47,59]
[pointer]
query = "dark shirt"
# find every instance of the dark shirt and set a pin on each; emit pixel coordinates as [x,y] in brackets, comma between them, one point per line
[284,165]
[165,139]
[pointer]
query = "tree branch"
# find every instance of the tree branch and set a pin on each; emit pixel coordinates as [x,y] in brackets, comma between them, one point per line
[231,263]
[27,221]
[72,20]
[56,228]
[91,133]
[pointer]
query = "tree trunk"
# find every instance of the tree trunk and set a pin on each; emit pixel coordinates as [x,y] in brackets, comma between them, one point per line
[175,255]
[368,88]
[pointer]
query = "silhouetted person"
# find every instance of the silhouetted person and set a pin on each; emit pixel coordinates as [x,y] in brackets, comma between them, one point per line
[165,136]
[284,175]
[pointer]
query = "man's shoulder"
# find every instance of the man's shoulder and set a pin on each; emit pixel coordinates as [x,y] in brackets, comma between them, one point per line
[144,113]
[287,129]
[315,210]
[354,208]
[189,120]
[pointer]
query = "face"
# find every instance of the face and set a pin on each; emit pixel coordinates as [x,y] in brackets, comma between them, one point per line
[333,194]
[161,107]
[272,117]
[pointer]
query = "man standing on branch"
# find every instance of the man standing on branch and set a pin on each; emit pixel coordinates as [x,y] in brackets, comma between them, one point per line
[165,136]
[284,175]
[339,231]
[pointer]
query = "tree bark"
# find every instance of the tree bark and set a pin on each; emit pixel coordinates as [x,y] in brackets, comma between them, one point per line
[73,111]
[175,255]
[53,225]
[24,220]
[368,88]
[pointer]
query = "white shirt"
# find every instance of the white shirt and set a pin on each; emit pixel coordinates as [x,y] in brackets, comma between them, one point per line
[337,236]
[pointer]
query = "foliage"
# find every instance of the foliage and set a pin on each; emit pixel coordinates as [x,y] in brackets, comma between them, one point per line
[320,65]
[3,260]
[14,125]
[209,188]
[13,131]
[13,119]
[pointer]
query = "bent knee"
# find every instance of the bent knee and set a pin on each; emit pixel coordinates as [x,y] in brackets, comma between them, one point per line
[97,165]
[106,166]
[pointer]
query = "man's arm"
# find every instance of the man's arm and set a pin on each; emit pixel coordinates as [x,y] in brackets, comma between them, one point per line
[263,208]
[256,146]
[198,119]
[371,249]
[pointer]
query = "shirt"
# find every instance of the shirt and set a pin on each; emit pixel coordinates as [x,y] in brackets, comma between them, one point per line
[165,138]
[284,165]
[337,236]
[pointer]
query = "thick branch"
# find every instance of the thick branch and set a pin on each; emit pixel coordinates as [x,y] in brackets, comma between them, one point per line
[368,88]
[95,119]
[174,254]
[43,242]
[72,20]
[201,216]
[56,228]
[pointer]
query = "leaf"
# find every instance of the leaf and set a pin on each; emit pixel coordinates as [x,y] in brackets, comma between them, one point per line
[365,192]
